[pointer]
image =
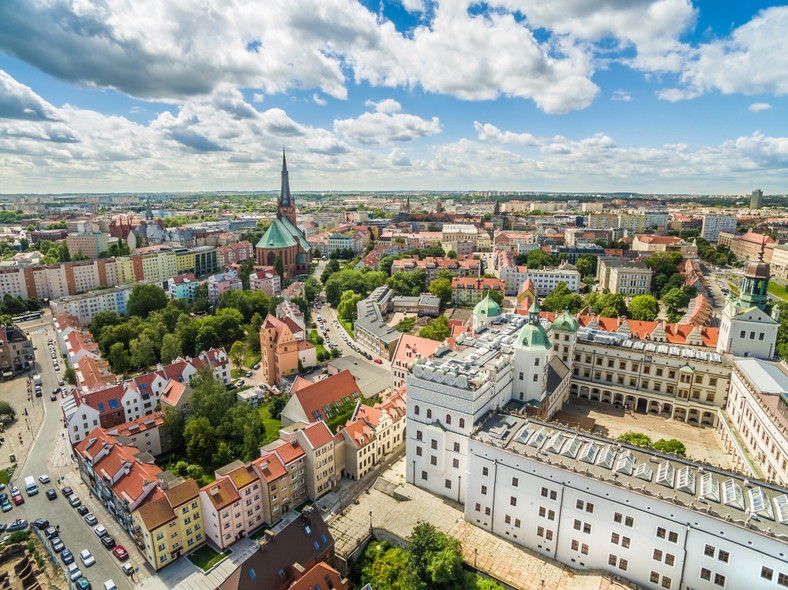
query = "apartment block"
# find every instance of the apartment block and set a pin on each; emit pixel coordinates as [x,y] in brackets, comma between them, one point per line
[621,275]
[469,291]
[91,245]
[714,224]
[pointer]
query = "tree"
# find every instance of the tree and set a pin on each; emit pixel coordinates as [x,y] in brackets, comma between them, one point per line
[207,337]
[671,445]
[437,329]
[635,438]
[451,254]
[145,299]
[441,288]
[675,299]
[200,437]
[173,426]
[562,299]
[7,413]
[496,296]
[170,348]
[643,307]
[278,404]
[246,269]
[101,320]
[347,306]
[142,351]
[237,353]
[279,266]
[70,376]
[118,358]
[336,353]
[312,288]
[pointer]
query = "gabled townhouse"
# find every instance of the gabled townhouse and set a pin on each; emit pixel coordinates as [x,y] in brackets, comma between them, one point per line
[267,280]
[409,349]
[170,523]
[317,441]
[176,396]
[144,433]
[278,350]
[373,434]
[118,474]
[78,345]
[290,489]
[93,374]
[234,506]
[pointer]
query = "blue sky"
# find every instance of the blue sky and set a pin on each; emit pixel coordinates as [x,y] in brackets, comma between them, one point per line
[659,96]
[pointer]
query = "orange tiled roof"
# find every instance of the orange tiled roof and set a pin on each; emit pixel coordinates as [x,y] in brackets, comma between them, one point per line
[183,492]
[243,476]
[270,467]
[289,451]
[318,434]
[314,397]
[221,493]
[156,512]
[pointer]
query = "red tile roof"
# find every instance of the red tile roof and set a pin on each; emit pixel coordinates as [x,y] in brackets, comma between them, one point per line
[318,577]
[172,392]
[221,493]
[270,467]
[318,434]
[289,451]
[314,397]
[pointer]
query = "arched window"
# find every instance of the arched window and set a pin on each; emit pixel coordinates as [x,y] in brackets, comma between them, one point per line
[448,418]
[429,414]
[462,422]
[416,410]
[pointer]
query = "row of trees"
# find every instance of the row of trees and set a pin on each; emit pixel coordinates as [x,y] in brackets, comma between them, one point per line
[670,445]
[160,330]
[433,560]
[719,256]
[11,305]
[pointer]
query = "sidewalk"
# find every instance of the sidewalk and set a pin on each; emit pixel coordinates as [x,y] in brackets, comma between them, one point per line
[21,433]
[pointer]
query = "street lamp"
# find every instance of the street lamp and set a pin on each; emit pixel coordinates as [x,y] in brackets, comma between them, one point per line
[370,522]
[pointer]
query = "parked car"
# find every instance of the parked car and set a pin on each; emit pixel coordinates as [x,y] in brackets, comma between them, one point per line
[248,373]
[257,366]
[91,519]
[127,568]
[67,556]
[18,499]
[100,531]
[51,494]
[120,552]
[73,572]
[40,523]
[378,362]
[74,501]
[5,504]
[110,585]
[82,510]
[43,478]
[19,524]
[57,544]
[50,532]
[108,542]
[87,557]
[83,584]
[66,491]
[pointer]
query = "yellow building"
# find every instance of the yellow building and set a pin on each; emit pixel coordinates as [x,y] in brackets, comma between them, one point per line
[170,525]
[185,262]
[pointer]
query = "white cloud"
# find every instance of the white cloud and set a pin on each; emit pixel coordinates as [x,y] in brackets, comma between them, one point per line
[491,133]
[397,157]
[387,105]
[621,95]
[381,128]
[753,60]
[413,5]
[18,101]
[319,100]
[758,107]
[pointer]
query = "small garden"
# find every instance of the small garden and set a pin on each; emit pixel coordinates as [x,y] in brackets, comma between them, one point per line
[662,445]
[205,557]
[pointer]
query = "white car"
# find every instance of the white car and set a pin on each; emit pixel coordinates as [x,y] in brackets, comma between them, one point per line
[43,478]
[87,557]
[100,531]
[110,585]
[74,572]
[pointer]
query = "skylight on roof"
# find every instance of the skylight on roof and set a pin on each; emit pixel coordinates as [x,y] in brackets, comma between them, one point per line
[524,434]
[666,473]
[606,457]
[556,442]
[686,480]
[709,487]
[537,439]
[781,504]
[759,503]
[589,452]
[732,494]
[625,463]
[571,448]
[644,472]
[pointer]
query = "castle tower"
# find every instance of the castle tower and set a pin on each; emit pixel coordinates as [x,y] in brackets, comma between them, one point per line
[564,335]
[531,350]
[756,284]
[484,313]
[285,207]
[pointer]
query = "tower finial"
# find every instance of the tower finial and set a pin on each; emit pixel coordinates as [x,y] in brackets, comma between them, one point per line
[762,250]
[284,160]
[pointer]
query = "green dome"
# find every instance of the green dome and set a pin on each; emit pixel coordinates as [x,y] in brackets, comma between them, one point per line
[565,323]
[533,336]
[487,307]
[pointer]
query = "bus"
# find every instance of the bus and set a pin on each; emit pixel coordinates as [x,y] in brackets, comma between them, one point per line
[26,317]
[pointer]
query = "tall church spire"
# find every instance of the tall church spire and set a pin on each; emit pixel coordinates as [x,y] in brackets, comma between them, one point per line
[285,208]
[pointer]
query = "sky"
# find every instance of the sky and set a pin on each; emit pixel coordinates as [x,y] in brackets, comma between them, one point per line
[649,96]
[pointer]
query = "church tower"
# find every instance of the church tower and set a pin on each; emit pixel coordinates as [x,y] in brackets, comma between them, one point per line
[285,207]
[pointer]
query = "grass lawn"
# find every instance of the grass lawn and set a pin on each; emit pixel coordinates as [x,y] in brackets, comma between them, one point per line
[778,290]
[348,328]
[319,348]
[272,425]
[236,373]
[251,358]
[5,474]
[205,557]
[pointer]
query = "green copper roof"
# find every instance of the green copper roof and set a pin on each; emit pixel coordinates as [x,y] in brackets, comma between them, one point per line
[565,323]
[487,307]
[533,337]
[296,234]
[277,236]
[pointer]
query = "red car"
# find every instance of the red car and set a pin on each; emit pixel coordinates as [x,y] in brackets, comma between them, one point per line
[18,499]
[120,552]
[378,362]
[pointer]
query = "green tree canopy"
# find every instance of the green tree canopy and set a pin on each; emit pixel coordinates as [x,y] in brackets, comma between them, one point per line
[643,307]
[671,445]
[437,329]
[146,298]
[441,288]
[635,438]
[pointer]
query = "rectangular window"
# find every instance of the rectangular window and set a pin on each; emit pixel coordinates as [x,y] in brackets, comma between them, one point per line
[584,549]
[767,573]
[507,519]
[666,582]
[540,531]
[618,517]
[542,511]
[485,471]
[625,542]
[575,545]
[660,532]
[515,482]
[719,579]
[418,451]
[669,559]
[478,507]
[579,505]
[456,447]
[487,511]
[614,538]
[612,560]
[424,475]
[447,484]
[587,528]
[578,525]
[434,444]
[657,555]
[517,523]
[433,460]
[548,534]
[723,556]
[782,579]
[629,521]
[484,490]
[654,578]
[455,463]
[513,501]
[623,564]
[673,537]
[705,574]
[590,508]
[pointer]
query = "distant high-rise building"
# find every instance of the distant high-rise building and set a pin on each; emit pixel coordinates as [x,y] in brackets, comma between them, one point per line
[756,199]
[714,224]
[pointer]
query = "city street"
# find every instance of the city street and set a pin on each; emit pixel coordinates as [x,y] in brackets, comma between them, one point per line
[50,454]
